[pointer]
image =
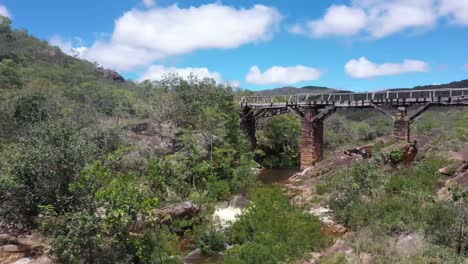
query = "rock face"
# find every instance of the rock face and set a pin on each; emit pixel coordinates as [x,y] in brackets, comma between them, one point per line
[157,139]
[110,74]
[167,214]
[23,249]
[239,201]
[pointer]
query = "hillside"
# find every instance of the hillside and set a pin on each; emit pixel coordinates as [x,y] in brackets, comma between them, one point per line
[458,84]
[289,90]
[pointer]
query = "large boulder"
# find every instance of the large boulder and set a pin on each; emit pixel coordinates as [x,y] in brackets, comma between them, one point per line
[110,75]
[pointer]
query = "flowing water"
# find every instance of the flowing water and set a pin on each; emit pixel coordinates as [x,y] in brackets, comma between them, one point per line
[227,213]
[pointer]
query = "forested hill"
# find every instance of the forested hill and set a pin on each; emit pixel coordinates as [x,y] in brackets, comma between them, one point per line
[289,90]
[26,61]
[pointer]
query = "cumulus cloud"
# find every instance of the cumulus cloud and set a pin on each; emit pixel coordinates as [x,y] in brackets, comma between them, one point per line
[339,20]
[157,73]
[282,75]
[149,3]
[4,11]
[142,36]
[363,68]
[72,48]
[382,18]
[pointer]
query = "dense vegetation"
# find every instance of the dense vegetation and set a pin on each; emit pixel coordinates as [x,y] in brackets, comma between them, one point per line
[68,170]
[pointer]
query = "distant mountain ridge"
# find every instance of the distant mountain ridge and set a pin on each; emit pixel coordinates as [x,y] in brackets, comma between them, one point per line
[291,90]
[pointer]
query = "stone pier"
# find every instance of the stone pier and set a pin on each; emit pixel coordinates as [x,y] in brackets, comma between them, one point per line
[401,127]
[248,125]
[311,139]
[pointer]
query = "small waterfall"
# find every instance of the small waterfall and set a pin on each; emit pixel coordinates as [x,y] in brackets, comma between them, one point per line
[228,214]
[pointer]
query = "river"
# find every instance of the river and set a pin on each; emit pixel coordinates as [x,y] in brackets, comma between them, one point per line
[269,177]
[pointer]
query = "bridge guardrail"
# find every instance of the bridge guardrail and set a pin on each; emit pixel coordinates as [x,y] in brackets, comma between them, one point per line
[352,97]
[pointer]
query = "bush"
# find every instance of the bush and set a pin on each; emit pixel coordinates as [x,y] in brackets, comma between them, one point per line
[271,231]
[210,241]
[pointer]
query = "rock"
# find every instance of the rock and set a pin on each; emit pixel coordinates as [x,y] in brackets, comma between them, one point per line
[166,215]
[156,139]
[110,75]
[446,171]
[10,248]
[239,201]
[409,244]
[365,152]
[331,227]
[40,260]
[23,249]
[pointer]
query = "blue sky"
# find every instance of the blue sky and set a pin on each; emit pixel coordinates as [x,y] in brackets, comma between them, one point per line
[350,44]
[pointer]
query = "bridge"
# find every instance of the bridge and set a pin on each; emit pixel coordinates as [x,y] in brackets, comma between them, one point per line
[403,106]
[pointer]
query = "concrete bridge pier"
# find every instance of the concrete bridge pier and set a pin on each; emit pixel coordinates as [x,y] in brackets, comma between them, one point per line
[248,125]
[401,127]
[311,139]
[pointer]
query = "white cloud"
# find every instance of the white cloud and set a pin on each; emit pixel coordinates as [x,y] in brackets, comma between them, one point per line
[157,72]
[282,75]
[234,83]
[363,68]
[142,36]
[382,18]
[67,46]
[120,56]
[149,3]
[457,10]
[4,11]
[339,20]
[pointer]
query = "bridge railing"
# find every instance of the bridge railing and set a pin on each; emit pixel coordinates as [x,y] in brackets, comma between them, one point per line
[350,97]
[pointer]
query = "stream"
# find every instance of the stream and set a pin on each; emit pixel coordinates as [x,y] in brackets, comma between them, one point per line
[228,212]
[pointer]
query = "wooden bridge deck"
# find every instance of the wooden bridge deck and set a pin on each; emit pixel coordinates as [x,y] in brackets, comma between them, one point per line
[455,96]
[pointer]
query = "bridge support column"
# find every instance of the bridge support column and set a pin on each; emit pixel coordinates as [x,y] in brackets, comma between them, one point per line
[401,127]
[248,125]
[311,139]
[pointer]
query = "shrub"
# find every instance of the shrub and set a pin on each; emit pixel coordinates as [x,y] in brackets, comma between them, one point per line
[271,231]
[210,241]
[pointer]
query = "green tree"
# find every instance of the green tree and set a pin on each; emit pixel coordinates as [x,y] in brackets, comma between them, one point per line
[212,124]
[9,74]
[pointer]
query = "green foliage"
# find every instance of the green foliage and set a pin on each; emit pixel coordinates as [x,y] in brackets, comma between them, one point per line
[210,241]
[399,201]
[9,74]
[354,126]
[272,231]
[48,160]
[80,230]
[158,246]
[280,140]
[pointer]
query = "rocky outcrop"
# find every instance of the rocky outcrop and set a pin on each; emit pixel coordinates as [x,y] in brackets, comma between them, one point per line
[110,75]
[166,215]
[23,249]
[154,138]
[454,174]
